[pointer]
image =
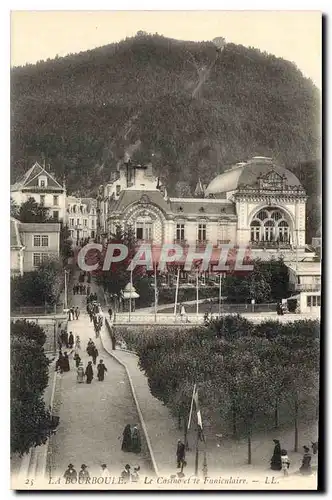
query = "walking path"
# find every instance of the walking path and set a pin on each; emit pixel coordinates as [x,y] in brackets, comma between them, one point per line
[92,417]
[223,457]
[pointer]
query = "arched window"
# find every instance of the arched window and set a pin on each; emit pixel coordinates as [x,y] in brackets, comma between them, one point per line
[283,231]
[262,215]
[276,215]
[269,230]
[255,230]
[270,225]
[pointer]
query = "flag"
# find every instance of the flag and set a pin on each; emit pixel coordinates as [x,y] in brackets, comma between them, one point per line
[199,415]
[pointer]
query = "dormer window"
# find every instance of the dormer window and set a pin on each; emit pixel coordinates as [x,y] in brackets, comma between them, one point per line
[202,209]
[180,209]
[42,181]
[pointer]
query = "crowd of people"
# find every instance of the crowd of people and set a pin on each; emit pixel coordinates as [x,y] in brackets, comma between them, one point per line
[129,474]
[94,311]
[280,460]
[73,313]
[131,439]
[81,289]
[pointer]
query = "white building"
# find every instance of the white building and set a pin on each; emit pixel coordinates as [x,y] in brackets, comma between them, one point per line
[257,203]
[40,184]
[32,244]
[82,218]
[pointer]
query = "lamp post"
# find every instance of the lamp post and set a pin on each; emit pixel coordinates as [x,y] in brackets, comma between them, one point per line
[66,291]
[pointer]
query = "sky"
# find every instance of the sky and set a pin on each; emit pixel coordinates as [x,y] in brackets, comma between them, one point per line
[293,35]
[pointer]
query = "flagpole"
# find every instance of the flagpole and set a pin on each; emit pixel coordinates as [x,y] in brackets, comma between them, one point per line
[219,294]
[131,287]
[155,293]
[197,293]
[177,291]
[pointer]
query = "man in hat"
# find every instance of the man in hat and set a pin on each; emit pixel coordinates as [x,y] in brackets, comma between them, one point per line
[70,475]
[306,462]
[104,471]
[101,369]
[89,373]
[83,473]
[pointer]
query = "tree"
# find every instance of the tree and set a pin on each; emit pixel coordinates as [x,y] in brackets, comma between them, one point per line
[30,421]
[37,288]
[66,250]
[14,209]
[31,211]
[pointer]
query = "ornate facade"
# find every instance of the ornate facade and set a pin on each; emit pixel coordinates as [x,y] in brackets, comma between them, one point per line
[257,203]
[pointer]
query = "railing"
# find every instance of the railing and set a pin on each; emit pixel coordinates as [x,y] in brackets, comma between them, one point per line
[37,310]
[310,287]
[196,319]
[180,242]
[269,244]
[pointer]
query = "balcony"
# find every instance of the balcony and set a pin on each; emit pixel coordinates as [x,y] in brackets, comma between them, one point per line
[306,287]
[180,242]
[270,245]
[201,242]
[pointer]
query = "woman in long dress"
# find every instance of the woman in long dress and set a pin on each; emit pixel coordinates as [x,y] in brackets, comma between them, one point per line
[126,441]
[80,373]
[276,457]
[136,440]
[89,373]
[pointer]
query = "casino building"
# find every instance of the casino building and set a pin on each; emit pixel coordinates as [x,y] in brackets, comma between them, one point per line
[256,203]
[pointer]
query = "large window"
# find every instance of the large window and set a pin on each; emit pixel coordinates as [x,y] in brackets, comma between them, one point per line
[201,233]
[44,241]
[270,225]
[39,258]
[36,240]
[180,232]
[144,230]
[42,199]
[71,222]
[313,300]
[55,200]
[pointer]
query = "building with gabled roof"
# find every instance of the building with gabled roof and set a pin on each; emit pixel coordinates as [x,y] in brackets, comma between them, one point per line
[40,184]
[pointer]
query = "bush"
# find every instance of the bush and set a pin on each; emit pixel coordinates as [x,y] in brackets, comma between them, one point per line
[30,421]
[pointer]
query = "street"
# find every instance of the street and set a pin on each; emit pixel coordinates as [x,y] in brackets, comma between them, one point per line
[92,417]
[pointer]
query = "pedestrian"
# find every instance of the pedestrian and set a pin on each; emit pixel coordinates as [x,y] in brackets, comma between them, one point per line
[80,373]
[74,290]
[136,445]
[101,369]
[125,474]
[63,337]
[83,473]
[89,373]
[135,475]
[94,355]
[183,313]
[113,339]
[104,471]
[110,312]
[180,453]
[71,340]
[276,457]
[66,338]
[59,363]
[88,290]
[70,473]
[126,440]
[77,360]
[285,462]
[66,367]
[305,468]
[78,342]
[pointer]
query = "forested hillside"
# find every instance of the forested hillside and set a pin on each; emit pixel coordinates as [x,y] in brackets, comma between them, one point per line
[82,111]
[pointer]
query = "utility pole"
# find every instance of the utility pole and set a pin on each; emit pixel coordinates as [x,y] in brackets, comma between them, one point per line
[131,290]
[177,291]
[197,293]
[66,291]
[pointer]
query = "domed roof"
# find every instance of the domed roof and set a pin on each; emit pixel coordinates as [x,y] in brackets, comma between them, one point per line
[248,173]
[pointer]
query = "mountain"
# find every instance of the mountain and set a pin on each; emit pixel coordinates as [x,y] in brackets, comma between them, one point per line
[83,111]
